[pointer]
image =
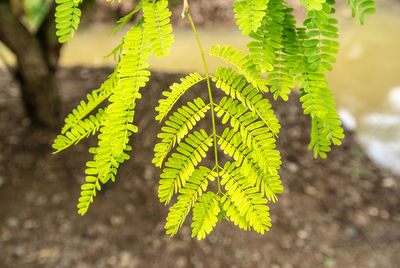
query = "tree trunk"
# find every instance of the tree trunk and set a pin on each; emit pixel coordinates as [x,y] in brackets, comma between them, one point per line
[35,67]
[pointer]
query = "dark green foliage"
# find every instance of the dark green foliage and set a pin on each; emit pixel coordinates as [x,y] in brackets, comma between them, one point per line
[36,11]
[244,126]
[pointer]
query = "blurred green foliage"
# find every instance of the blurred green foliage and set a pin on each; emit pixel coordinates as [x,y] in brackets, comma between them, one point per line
[35,11]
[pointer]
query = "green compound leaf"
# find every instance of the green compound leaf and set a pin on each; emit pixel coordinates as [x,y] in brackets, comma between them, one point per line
[235,86]
[157,27]
[117,124]
[177,127]
[249,14]
[80,130]
[362,8]
[188,195]
[313,4]
[205,215]
[245,158]
[317,45]
[243,64]
[267,40]
[77,126]
[281,55]
[253,133]
[181,165]
[177,91]
[67,18]
[249,203]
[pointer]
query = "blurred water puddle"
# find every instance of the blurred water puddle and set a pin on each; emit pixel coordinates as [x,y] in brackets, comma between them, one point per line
[379,132]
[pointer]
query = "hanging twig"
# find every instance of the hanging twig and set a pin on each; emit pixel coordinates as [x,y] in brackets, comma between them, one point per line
[185,8]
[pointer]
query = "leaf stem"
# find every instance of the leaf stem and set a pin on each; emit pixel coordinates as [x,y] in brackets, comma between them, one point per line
[210,96]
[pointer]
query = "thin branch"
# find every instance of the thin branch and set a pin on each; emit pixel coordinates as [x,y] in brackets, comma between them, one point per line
[210,96]
[185,8]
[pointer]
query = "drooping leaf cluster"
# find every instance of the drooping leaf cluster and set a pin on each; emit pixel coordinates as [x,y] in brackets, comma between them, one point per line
[122,89]
[300,56]
[68,16]
[248,137]
[239,187]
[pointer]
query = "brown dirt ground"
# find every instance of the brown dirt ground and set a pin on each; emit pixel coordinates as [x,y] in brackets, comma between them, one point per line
[340,212]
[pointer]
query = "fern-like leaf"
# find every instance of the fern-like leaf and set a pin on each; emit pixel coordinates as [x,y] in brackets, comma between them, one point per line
[119,115]
[246,158]
[320,42]
[313,4]
[157,27]
[317,45]
[76,126]
[255,134]
[232,212]
[268,38]
[281,78]
[177,127]
[127,18]
[273,45]
[93,100]
[80,130]
[205,212]
[117,126]
[249,14]
[362,8]
[250,204]
[92,185]
[177,90]
[243,64]
[233,85]
[67,18]
[181,165]
[188,194]
[287,54]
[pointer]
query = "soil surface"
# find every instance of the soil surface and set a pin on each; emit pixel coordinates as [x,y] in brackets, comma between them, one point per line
[340,212]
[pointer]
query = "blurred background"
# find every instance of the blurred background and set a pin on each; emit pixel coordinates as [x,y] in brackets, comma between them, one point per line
[340,212]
